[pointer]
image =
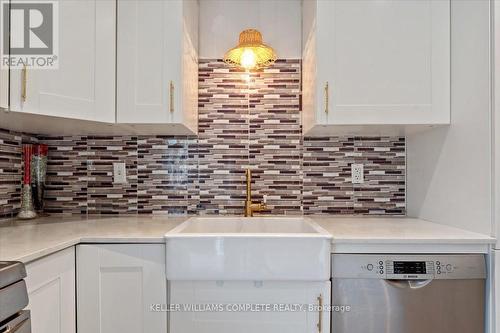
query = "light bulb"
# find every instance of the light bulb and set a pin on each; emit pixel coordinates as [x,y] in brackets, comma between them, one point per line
[248,59]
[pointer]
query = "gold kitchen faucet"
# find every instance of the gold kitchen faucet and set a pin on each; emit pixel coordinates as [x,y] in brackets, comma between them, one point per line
[251,207]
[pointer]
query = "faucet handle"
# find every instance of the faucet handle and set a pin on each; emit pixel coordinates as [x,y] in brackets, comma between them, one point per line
[263,204]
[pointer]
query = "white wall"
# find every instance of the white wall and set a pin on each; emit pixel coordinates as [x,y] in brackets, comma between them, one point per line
[449,169]
[496,131]
[221,21]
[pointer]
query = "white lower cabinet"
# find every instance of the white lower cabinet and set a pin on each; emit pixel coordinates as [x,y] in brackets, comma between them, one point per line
[230,298]
[497,291]
[51,289]
[116,286]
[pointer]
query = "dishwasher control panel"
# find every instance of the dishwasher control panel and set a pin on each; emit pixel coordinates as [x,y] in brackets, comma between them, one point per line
[408,267]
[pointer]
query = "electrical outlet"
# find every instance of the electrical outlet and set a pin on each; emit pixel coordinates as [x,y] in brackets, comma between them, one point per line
[119,173]
[90,165]
[357,174]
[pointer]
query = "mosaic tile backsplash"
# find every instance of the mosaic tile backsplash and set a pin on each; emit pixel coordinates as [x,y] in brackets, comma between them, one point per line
[11,171]
[245,120]
[250,120]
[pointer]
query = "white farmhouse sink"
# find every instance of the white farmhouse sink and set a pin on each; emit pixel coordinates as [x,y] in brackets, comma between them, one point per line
[257,248]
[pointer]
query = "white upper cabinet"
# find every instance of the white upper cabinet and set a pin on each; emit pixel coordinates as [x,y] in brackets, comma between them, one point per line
[157,63]
[83,87]
[375,62]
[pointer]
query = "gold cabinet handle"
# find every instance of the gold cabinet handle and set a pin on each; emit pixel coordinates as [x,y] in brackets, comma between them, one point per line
[24,75]
[171,107]
[320,314]
[326,97]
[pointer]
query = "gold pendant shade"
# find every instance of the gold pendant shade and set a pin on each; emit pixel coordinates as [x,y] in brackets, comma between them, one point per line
[251,52]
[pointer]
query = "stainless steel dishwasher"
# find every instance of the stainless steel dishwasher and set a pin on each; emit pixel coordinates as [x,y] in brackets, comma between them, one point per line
[408,293]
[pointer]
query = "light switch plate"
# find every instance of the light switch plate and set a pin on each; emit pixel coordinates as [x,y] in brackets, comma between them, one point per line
[119,173]
[357,174]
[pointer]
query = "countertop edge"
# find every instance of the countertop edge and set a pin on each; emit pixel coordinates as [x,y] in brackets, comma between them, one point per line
[33,256]
[118,240]
[479,241]
[364,244]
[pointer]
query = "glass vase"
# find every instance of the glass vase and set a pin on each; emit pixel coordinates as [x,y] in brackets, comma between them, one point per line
[38,176]
[27,211]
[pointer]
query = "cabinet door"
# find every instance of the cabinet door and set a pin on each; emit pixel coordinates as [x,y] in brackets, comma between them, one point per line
[497,291]
[280,296]
[51,290]
[4,88]
[149,62]
[386,62]
[117,284]
[84,85]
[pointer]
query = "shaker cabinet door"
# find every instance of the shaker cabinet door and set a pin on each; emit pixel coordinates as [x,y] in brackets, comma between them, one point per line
[51,290]
[149,49]
[233,296]
[83,85]
[376,62]
[386,62]
[116,286]
[157,63]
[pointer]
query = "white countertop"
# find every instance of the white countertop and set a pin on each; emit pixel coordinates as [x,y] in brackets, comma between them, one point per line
[400,235]
[27,241]
[395,230]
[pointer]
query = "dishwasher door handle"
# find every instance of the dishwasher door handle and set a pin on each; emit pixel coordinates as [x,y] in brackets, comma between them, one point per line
[412,284]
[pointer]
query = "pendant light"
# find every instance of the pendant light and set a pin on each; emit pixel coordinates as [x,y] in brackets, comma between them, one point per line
[251,52]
